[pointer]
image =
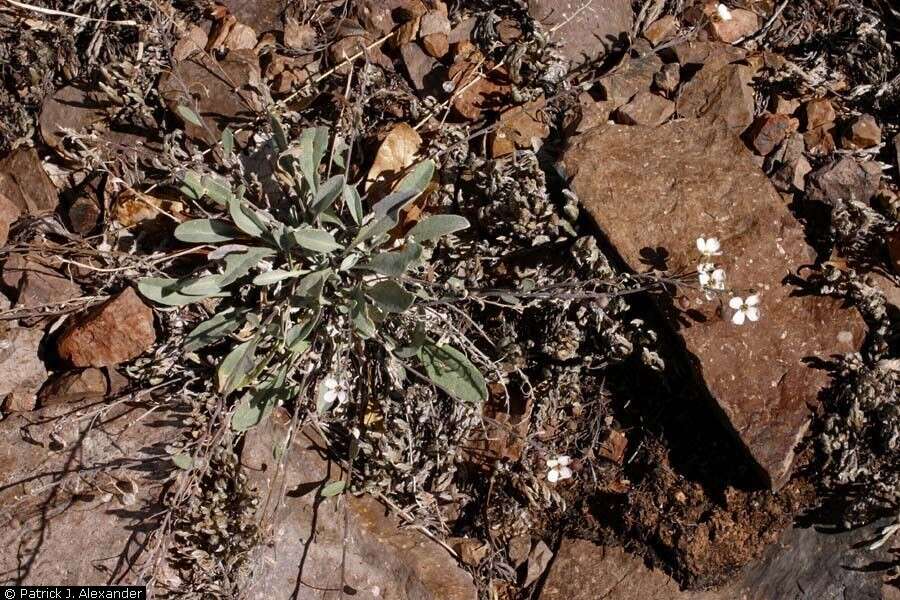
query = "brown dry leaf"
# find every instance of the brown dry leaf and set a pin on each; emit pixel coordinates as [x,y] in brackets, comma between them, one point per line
[396,153]
[133,207]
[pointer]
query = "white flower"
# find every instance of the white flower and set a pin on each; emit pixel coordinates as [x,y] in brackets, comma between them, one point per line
[723,11]
[335,391]
[744,309]
[710,276]
[709,247]
[559,468]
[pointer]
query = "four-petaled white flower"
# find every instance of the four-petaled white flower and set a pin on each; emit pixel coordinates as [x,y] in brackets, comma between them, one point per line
[724,12]
[744,309]
[335,391]
[710,276]
[559,468]
[709,247]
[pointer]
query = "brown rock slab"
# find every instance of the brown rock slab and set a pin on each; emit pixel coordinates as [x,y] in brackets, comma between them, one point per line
[804,565]
[743,23]
[862,132]
[587,30]
[632,76]
[70,108]
[202,84]
[818,112]
[9,213]
[706,53]
[847,179]
[114,332]
[767,132]
[661,30]
[37,285]
[261,15]
[645,109]
[820,141]
[55,466]
[193,40]
[786,106]
[667,79]
[299,36]
[419,65]
[72,386]
[665,187]
[24,182]
[520,127]
[893,246]
[84,213]
[719,93]
[306,532]
[22,372]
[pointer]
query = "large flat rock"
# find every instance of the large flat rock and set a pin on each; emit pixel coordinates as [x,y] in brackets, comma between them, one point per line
[57,464]
[653,192]
[586,29]
[306,535]
[804,565]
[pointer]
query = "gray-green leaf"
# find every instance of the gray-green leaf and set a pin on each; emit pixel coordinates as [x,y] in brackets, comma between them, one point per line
[317,240]
[451,371]
[394,264]
[436,226]
[235,367]
[333,489]
[164,290]
[238,264]
[205,231]
[183,461]
[390,296]
[189,115]
[354,203]
[417,179]
[274,276]
[214,328]
[327,194]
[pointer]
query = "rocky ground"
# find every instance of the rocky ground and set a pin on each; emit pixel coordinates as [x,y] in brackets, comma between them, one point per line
[675,299]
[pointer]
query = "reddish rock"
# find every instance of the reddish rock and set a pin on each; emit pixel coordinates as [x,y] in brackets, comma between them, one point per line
[588,114]
[703,182]
[118,330]
[846,179]
[893,246]
[383,561]
[478,92]
[520,127]
[767,132]
[194,40]
[862,132]
[667,79]
[804,565]
[261,15]
[84,214]
[706,53]
[785,106]
[586,34]
[508,30]
[22,372]
[820,141]
[9,213]
[661,30]
[56,466]
[646,109]
[418,64]
[743,23]
[719,93]
[240,37]
[73,386]
[817,113]
[69,109]
[37,286]
[632,76]
[436,44]
[24,182]
[198,83]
